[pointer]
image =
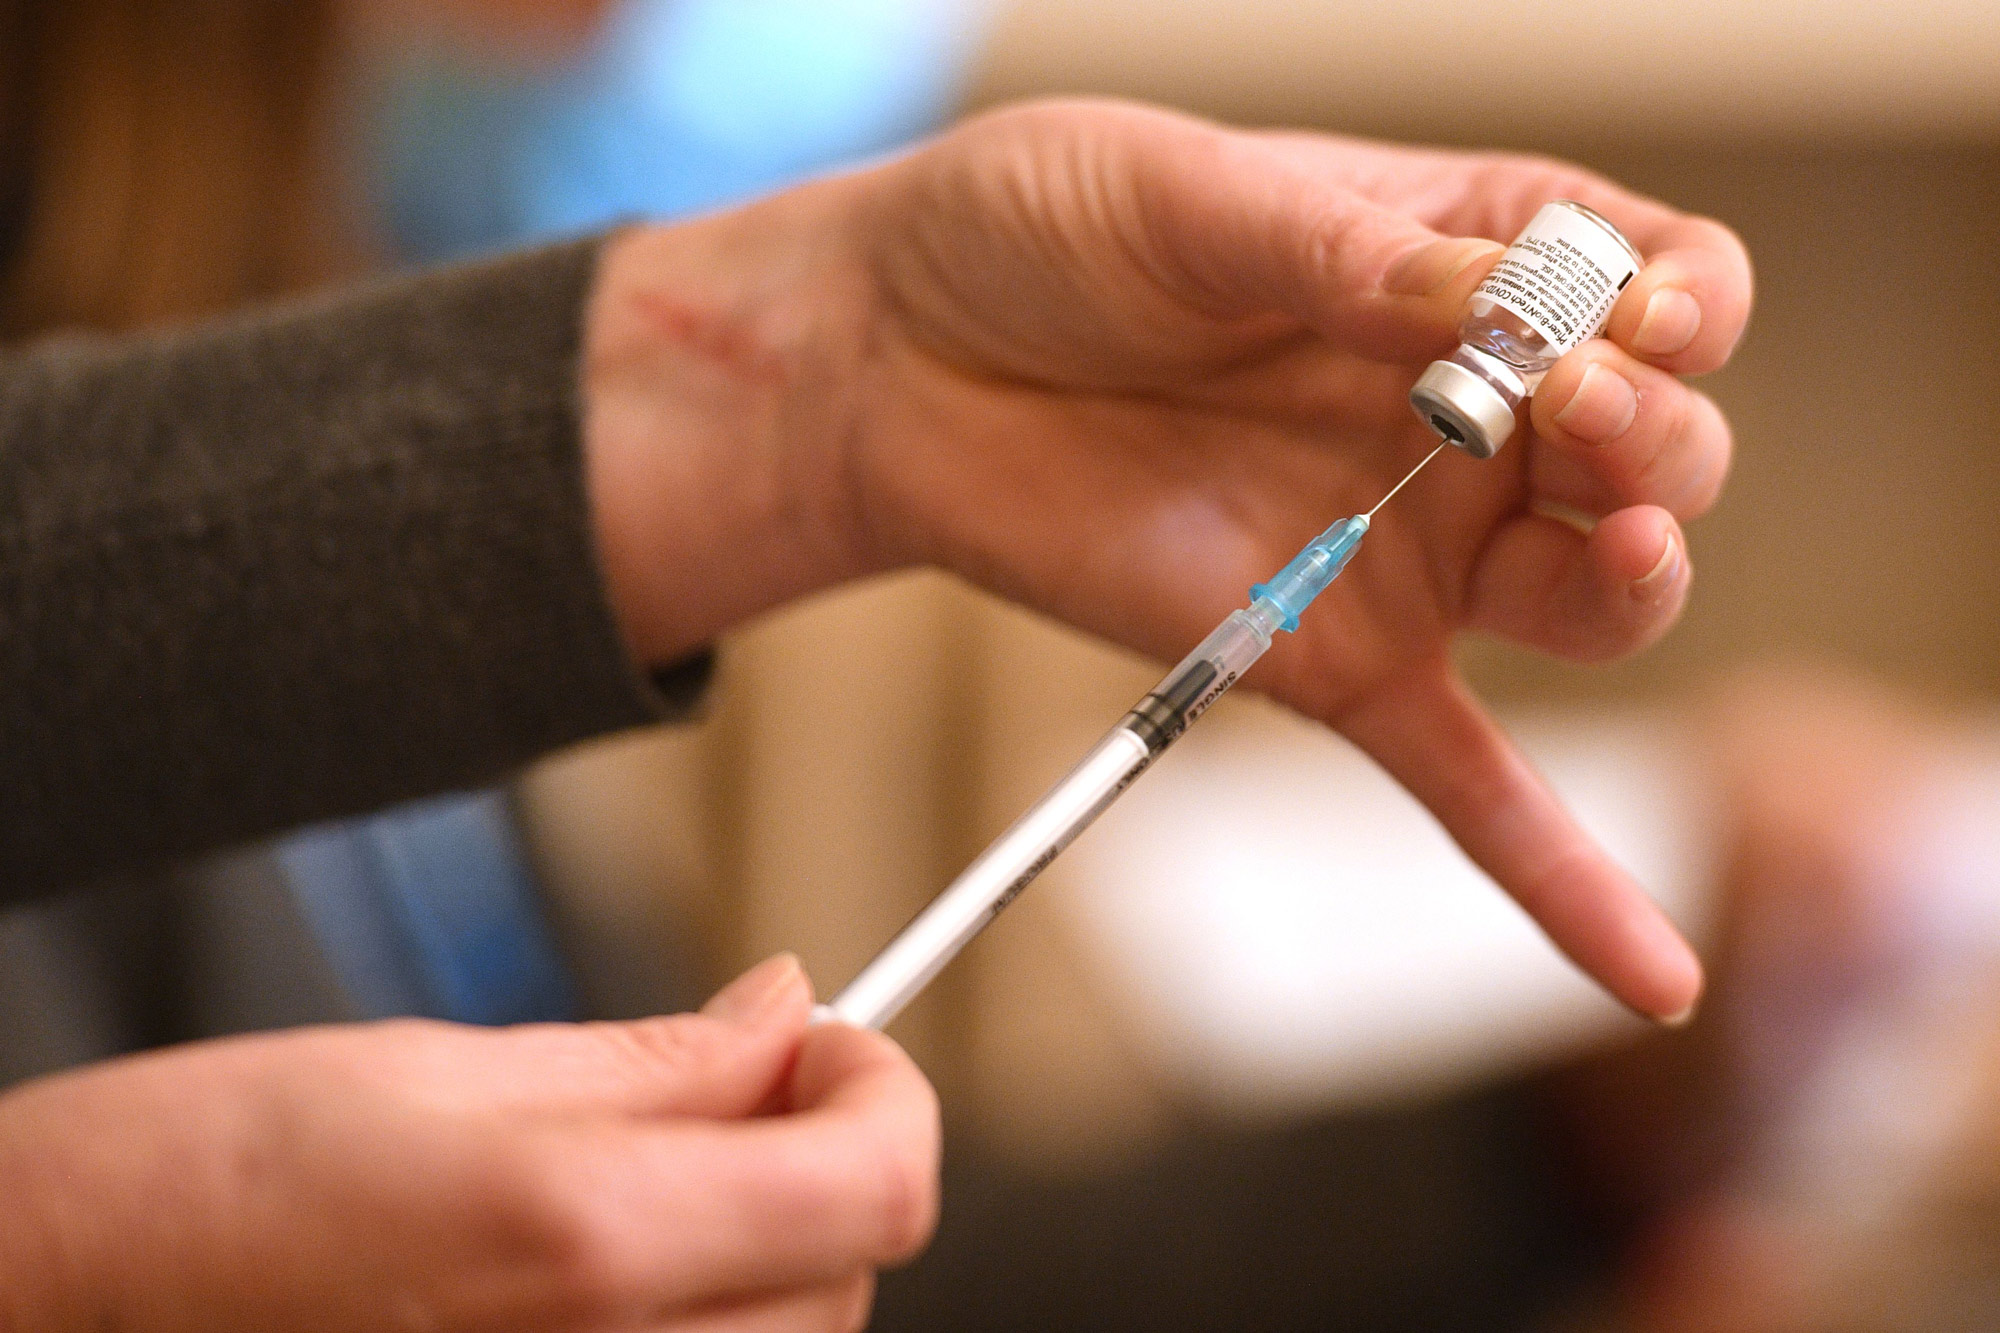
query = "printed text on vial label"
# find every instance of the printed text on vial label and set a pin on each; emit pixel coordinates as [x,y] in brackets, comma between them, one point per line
[1561,277]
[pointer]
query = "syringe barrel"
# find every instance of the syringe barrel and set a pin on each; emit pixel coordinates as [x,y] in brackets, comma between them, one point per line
[896,975]
[1202,676]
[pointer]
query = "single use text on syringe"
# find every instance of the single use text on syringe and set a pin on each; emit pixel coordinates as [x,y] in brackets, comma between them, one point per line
[1003,870]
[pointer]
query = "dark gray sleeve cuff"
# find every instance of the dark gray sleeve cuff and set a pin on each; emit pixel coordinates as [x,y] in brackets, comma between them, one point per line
[298,566]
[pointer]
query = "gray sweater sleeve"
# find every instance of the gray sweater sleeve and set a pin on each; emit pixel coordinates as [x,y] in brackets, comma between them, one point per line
[297,566]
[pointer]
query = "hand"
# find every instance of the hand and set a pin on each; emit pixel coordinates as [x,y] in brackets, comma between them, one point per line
[1119,365]
[420,1175]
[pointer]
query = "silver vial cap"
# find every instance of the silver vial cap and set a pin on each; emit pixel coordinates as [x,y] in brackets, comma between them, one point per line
[1463,408]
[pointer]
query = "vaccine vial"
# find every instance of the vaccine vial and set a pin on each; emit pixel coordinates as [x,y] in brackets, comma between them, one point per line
[1552,291]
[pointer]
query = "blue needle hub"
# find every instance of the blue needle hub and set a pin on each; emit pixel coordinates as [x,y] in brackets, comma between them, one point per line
[1292,590]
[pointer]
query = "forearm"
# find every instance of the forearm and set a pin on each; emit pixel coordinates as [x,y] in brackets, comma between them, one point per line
[294,567]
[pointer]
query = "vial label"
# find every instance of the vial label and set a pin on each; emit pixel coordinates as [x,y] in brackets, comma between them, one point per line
[1562,276]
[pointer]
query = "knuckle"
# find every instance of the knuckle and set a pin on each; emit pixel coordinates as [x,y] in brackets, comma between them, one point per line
[650,1048]
[1676,468]
[593,1266]
[1723,240]
[1533,178]
[558,1223]
[1647,474]
[1328,224]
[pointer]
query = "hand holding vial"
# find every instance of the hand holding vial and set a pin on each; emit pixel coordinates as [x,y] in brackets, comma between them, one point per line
[1553,288]
[1119,364]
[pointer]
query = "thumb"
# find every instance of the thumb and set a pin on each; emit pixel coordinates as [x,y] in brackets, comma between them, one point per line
[1255,225]
[723,1063]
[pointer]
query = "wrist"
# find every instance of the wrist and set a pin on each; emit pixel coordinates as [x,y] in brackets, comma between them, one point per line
[42,1273]
[721,373]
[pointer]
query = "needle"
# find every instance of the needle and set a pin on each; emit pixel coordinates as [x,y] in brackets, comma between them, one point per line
[1405,481]
[1002,871]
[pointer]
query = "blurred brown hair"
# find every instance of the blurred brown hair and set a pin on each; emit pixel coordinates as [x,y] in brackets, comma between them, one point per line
[161,159]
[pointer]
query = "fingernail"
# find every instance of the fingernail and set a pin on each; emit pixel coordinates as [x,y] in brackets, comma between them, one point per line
[757,992]
[1602,408]
[1582,521]
[1663,573]
[1672,319]
[1431,266]
[1679,1020]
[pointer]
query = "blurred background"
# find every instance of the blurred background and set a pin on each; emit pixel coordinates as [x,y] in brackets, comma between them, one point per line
[1262,1052]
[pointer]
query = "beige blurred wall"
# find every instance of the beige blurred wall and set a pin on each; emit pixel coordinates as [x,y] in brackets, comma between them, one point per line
[1530,69]
[861,747]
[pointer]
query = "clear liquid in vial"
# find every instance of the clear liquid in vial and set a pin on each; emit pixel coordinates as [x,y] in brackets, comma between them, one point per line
[1506,337]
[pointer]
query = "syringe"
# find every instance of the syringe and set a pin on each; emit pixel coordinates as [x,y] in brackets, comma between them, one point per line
[897,974]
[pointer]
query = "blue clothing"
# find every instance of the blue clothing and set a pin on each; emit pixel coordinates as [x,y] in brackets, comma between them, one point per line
[430,909]
[679,105]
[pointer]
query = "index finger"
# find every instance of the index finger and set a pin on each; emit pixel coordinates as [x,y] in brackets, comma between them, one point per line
[1688,307]
[1493,195]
